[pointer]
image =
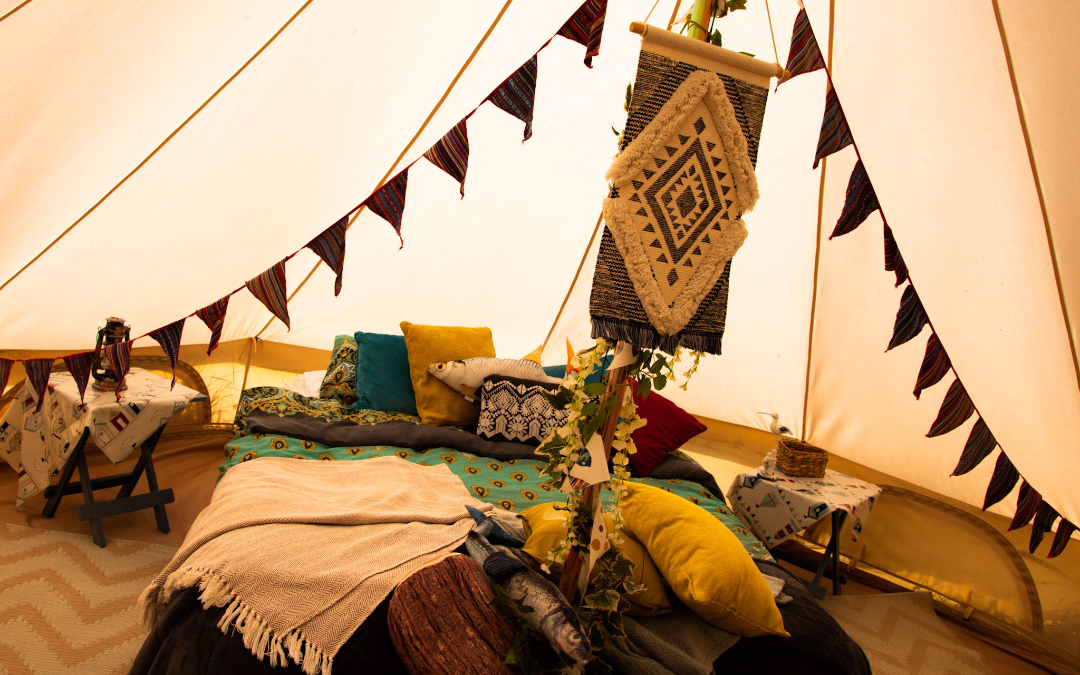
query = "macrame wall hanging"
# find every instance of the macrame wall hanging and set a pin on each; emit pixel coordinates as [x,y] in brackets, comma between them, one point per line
[679,187]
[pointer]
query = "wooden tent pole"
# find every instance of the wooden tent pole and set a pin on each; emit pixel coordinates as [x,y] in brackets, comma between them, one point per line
[616,386]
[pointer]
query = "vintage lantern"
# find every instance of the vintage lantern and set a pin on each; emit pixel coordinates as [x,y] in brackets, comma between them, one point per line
[105,376]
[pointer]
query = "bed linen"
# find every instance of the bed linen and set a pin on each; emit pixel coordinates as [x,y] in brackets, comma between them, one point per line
[511,484]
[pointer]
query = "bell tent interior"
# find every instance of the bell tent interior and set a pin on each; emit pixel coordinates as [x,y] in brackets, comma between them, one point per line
[158,155]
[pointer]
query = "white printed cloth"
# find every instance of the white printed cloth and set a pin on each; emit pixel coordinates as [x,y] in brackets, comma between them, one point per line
[778,505]
[37,443]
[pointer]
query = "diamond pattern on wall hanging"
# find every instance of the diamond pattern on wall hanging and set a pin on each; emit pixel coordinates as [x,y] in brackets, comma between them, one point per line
[678,192]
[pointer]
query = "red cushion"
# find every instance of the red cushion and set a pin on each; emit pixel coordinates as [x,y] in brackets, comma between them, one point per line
[669,427]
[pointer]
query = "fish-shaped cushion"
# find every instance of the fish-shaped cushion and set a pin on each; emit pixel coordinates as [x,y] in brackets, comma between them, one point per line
[466,376]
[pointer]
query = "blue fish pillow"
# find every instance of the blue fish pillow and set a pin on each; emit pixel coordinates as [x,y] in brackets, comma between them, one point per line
[382,374]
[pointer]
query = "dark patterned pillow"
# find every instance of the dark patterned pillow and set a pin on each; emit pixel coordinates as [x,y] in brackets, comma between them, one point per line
[513,409]
[339,383]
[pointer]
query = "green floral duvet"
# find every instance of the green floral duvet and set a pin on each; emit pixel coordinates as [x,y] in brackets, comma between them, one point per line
[514,484]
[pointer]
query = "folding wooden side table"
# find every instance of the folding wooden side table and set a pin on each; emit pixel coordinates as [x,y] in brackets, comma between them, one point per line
[45,445]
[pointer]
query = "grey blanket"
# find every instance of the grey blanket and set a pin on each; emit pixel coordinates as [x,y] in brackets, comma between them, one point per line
[344,433]
[678,643]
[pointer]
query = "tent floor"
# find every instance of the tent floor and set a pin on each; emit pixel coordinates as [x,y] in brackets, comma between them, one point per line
[189,467]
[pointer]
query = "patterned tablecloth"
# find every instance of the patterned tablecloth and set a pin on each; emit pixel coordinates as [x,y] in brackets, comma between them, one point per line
[778,505]
[37,443]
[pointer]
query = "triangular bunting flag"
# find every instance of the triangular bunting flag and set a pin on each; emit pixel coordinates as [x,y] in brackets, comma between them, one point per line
[451,153]
[894,262]
[169,339]
[1043,523]
[835,134]
[1027,503]
[119,355]
[859,203]
[979,445]
[388,202]
[37,373]
[955,410]
[935,364]
[1061,539]
[5,371]
[214,318]
[910,319]
[269,288]
[1002,482]
[79,366]
[330,246]
[586,27]
[804,55]
[515,95]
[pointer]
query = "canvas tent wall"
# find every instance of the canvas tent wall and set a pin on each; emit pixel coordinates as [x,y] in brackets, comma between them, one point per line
[332,101]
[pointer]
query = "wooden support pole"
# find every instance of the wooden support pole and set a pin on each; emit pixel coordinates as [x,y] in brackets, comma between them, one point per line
[616,386]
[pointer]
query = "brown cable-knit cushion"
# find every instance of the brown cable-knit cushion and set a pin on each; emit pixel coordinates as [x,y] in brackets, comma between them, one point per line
[442,621]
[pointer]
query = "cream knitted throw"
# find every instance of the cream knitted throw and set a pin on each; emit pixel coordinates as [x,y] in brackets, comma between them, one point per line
[301,552]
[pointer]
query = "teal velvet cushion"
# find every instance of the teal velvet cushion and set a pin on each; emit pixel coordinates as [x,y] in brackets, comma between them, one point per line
[382,374]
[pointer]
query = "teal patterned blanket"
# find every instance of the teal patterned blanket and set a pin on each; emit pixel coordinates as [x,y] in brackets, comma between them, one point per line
[511,484]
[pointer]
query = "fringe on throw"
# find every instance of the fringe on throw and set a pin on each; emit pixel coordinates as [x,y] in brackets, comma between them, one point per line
[264,642]
[644,337]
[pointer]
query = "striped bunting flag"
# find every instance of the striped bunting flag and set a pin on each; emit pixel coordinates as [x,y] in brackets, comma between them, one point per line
[1043,523]
[935,364]
[79,366]
[894,262]
[1027,503]
[214,318]
[860,202]
[516,94]
[37,372]
[910,319]
[330,246]
[804,55]
[119,355]
[955,410]
[586,27]
[1002,482]
[5,371]
[835,133]
[169,339]
[451,153]
[1061,539]
[980,444]
[388,202]
[269,289]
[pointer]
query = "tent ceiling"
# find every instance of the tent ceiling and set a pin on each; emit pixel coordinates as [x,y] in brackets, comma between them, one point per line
[307,131]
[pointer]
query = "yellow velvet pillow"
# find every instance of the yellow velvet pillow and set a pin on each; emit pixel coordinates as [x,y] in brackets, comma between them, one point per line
[437,403]
[546,527]
[703,562]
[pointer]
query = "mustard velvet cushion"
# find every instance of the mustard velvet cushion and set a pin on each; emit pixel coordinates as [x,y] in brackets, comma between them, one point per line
[437,403]
[546,527]
[703,562]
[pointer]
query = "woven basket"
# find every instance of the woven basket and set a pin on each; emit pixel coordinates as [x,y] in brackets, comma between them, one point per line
[796,458]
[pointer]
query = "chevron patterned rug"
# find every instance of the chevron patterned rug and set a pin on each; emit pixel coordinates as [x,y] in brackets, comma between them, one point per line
[67,606]
[902,635]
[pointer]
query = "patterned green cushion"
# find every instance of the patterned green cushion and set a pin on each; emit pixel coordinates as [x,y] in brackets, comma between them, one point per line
[339,383]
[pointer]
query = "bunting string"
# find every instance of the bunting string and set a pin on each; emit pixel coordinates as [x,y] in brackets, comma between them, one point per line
[213,316]
[330,247]
[79,366]
[451,153]
[119,355]
[37,373]
[5,371]
[516,95]
[586,27]
[269,289]
[169,339]
[860,201]
[910,318]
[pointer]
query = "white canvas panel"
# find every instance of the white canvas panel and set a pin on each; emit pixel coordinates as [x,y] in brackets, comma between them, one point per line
[946,155]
